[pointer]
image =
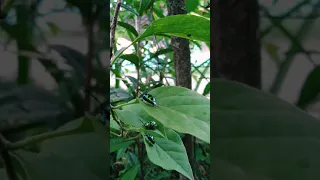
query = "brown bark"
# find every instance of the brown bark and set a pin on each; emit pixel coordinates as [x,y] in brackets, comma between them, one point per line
[235,41]
[182,63]
[235,46]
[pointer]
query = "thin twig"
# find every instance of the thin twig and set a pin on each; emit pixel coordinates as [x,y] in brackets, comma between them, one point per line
[114,25]
[140,147]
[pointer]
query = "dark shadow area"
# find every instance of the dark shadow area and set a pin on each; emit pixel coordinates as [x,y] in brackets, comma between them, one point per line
[53,74]
[265,105]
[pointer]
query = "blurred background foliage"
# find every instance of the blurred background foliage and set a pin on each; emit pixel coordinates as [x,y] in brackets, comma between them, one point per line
[290,51]
[44,50]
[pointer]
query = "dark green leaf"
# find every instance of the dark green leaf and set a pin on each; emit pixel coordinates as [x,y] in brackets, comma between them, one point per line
[133,58]
[185,26]
[119,143]
[170,154]
[191,5]
[182,110]
[117,95]
[128,27]
[259,136]
[53,167]
[145,6]
[310,89]
[206,89]
[131,173]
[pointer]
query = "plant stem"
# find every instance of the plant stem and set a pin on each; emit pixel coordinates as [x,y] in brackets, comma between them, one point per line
[119,135]
[114,25]
[40,137]
[125,104]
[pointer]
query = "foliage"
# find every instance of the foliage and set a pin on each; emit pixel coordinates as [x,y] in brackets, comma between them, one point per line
[178,110]
[257,135]
[45,134]
[254,140]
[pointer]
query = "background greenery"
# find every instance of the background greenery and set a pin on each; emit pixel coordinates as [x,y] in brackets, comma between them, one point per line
[257,134]
[146,66]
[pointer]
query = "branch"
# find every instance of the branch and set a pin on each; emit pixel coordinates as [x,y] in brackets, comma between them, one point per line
[114,25]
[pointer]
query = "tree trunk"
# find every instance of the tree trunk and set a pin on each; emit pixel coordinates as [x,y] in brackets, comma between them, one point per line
[182,63]
[235,46]
[235,41]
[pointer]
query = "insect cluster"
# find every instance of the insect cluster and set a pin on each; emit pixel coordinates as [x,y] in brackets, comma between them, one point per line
[150,125]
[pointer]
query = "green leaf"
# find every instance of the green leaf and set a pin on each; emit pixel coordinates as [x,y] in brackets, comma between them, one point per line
[133,58]
[89,149]
[128,27]
[134,115]
[119,143]
[170,154]
[181,109]
[273,51]
[242,111]
[259,136]
[53,28]
[117,95]
[145,6]
[131,173]
[191,5]
[129,8]
[310,89]
[114,124]
[52,167]
[185,26]
[206,90]
[120,153]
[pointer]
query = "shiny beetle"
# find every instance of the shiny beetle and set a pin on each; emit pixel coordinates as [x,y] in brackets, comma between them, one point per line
[149,99]
[151,125]
[150,138]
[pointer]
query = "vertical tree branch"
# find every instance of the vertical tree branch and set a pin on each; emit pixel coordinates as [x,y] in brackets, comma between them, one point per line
[182,63]
[140,145]
[138,28]
[235,41]
[90,37]
[114,25]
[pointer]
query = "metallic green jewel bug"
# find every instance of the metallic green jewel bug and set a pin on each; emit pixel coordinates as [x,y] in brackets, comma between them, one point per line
[150,138]
[151,125]
[149,99]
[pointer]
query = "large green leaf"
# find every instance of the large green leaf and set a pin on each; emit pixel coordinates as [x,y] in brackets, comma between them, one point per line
[242,111]
[182,110]
[52,167]
[191,5]
[119,143]
[258,136]
[89,149]
[170,154]
[131,173]
[185,26]
[135,116]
